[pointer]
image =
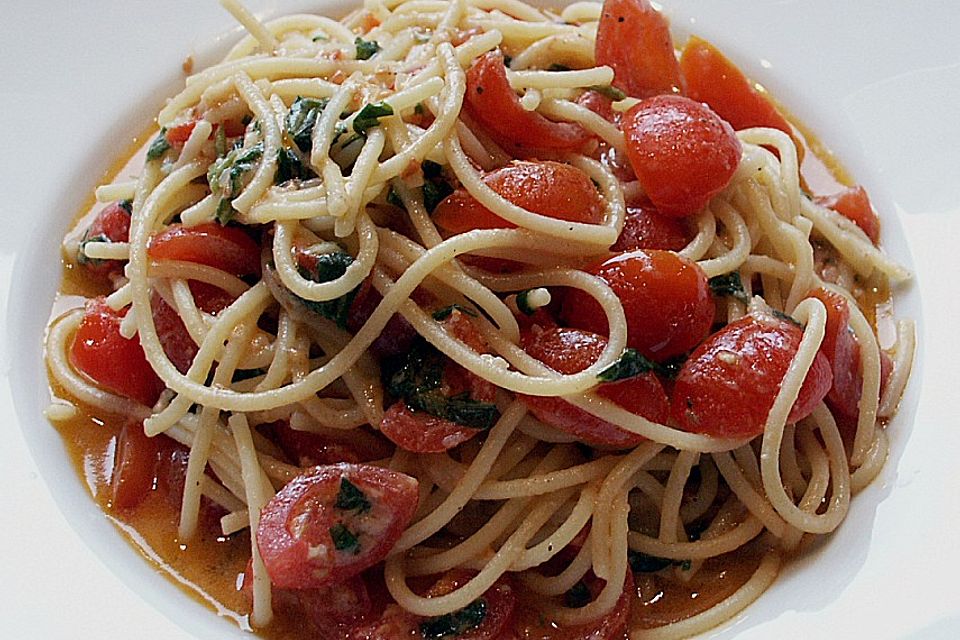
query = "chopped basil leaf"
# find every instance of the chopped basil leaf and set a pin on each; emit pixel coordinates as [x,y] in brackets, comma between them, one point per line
[642,563]
[685,565]
[419,109]
[366,49]
[370,116]
[444,312]
[82,257]
[320,38]
[431,170]
[611,92]
[394,199]
[225,177]
[419,382]
[126,205]
[578,596]
[290,167]
[523,304]
[303,117]
[220,141]
[670,368]
[728,284]
[331,266]
[434,193]
[456,623]
[159,146]
[630,364]
[344,539]
[350,498]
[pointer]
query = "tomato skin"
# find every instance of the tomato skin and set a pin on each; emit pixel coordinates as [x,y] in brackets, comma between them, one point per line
[307,449]
[396,623]
[665,297]
[842,351]
[178,135]
[853,203]
[600,105]
[713,79]
[613,626]
[727,386]
[112,361]
[294,535]
[113,223]
[646,228]
[552,189]
[134,466]
[634,39]
[682,152]
[492,102]
[570,351]
[227,248]
[173,334]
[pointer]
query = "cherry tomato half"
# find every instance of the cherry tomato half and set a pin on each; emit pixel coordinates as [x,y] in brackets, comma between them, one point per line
[332,522]
[134,466]
[492,102]
[570,351]
[612,626]
[227,248]
[682,152]
[634,39]
[854,203]
[549,188]
[665,297]
[727,386]
[112,224]
[647,228]
[112,361]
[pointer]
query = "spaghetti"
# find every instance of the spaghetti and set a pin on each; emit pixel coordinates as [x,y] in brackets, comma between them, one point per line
[365,278]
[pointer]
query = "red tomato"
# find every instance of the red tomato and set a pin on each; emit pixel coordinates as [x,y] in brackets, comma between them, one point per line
[600,105]
[549,188]
[308,449]
[112,361]
[492,102]
[682,152]
[134,466]
[498,605]
[571,351]
[842,351]
[854,203]
[227,248]
[613,626]
[713,79]
[634,39]
[111,224]
[727,386]
[173,334]
[665,297]
[647,228]
[178,135]
[397,336]
[307,541]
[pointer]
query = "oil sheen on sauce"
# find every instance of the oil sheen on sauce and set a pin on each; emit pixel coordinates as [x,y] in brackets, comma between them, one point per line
[208,568]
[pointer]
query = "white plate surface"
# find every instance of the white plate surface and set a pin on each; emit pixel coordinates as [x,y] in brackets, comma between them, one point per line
[879,80]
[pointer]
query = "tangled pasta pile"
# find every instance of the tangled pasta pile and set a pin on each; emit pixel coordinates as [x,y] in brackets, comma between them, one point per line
[489,305]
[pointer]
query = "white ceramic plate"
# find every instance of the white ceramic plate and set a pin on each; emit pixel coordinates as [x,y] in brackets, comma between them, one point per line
[879,80]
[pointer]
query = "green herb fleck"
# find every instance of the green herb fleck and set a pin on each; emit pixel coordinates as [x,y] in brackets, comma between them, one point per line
[344,539]
[82,257]
[611,92]
[329,267]
[728,284]
[523,304]
[434,193]
[290,167]
[350,498]
[320,38]
[370,116]
[159,146]
[366,49]
[643,563]
[443,313]
[578,596]
[126,205]
[394,198]
[225,177]
[630,364]
[303,117]
[456,623]
[247,374]
[685,565]
[419,109]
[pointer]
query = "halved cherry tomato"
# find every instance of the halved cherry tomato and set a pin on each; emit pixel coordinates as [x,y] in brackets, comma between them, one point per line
[492,102]
[727,386]
[854,203]
[178,135]
[682,152]
[113,225]
[647,228]
[549,188]
[112,361]
[227,248]
[317,531]
[421,432]
[842,351]
[173,334]
[570,351]
[666,299]
[134,466]
[308,449]
[634,39]
[490,617]
[713,79]
[531,623]
[600,105]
